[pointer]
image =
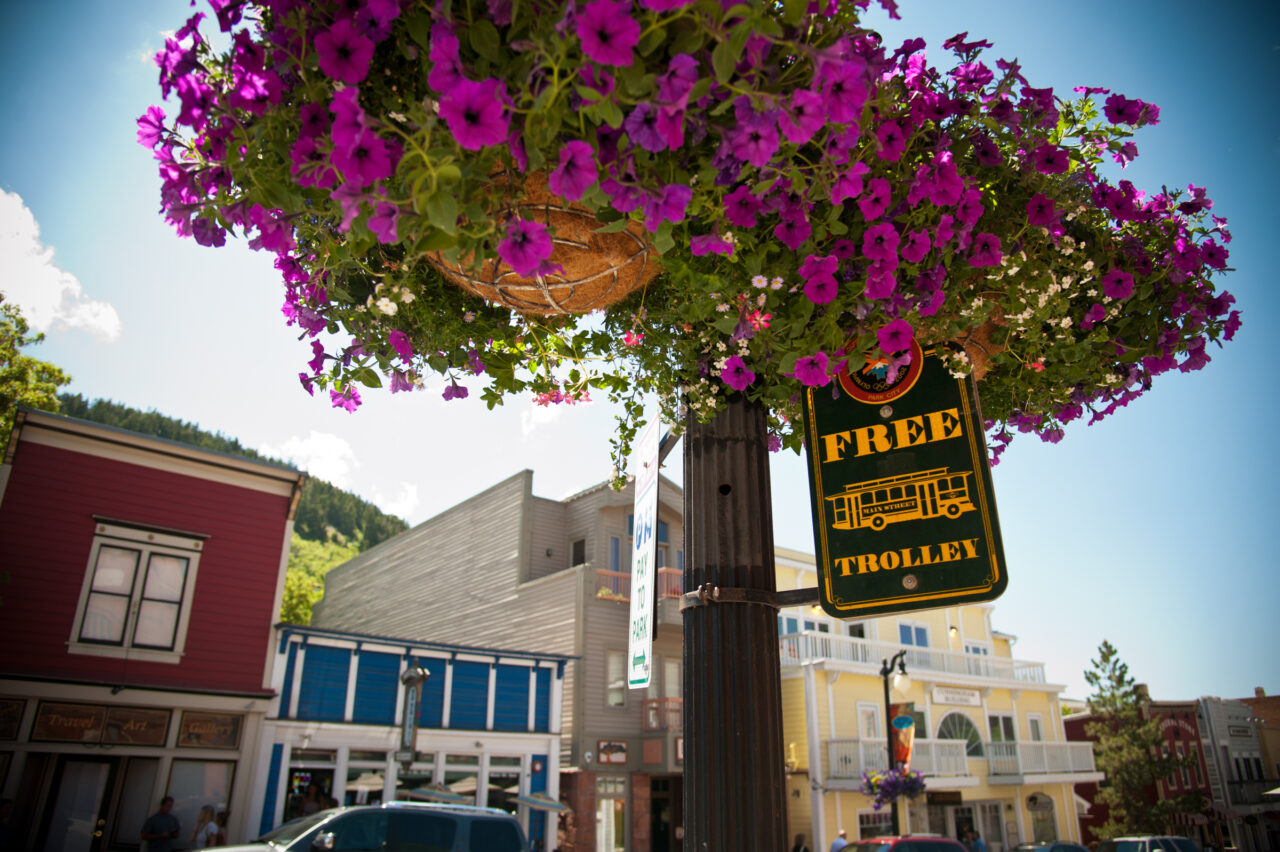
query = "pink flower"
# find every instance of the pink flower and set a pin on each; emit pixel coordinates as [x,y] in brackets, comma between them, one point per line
[344,53]
[348,399]
[986,251]
[608,32]
[896,336]
[633,338]
[811,370]
[476,113]
[735,373]
[576,172]
[526,245]
[1117,284]
[400,342]
[383,222]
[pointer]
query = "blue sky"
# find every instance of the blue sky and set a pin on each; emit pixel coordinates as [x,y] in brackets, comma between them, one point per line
[1150,529]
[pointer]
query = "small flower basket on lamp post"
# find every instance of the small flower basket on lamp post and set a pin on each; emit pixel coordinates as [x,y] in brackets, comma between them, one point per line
[887,786]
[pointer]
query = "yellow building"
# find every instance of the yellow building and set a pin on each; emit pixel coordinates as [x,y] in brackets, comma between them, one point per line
[988,736]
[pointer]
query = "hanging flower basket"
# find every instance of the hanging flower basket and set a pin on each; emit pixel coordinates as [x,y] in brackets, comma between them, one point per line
[592,270]
[886,787]
[758,197]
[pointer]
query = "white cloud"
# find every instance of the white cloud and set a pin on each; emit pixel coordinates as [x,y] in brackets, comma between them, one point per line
[48,296]
[403,505]
[536,416]
[320,454]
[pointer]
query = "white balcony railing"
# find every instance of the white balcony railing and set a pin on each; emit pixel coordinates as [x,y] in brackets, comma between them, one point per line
[803,647]
[849,758]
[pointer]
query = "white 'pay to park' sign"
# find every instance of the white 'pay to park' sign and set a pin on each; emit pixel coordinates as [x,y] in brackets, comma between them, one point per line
[644,551]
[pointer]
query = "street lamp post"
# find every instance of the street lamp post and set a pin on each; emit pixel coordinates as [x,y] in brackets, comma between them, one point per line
[886,671]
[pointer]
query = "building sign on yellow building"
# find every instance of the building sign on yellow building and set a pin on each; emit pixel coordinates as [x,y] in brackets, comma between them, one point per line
[904,514]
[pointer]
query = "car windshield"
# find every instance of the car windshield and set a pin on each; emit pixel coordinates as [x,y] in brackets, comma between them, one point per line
[292,830]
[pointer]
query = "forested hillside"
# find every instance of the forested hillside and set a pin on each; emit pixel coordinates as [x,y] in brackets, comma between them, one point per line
[330,526]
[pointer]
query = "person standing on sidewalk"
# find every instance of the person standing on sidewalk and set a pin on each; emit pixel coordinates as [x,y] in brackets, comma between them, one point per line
[841,841]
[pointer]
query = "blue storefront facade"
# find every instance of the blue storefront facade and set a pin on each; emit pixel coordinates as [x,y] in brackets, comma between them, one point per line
[488,727]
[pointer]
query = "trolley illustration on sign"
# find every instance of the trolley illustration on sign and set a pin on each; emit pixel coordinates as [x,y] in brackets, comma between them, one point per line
[877,503]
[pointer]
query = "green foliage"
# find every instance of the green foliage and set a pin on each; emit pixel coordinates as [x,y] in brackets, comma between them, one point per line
[23,380]
[324,512]
[1129,749]
[309,561]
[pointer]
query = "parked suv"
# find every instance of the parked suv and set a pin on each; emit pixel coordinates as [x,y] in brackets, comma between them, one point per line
[1161,843]
[910,843]
[397,827]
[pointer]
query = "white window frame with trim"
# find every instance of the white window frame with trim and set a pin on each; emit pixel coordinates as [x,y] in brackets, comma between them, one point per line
[125,608]
[1035,728]
[615,678]
[920,658]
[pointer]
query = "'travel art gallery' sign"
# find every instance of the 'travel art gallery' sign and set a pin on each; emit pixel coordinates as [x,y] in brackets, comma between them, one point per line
[904,515]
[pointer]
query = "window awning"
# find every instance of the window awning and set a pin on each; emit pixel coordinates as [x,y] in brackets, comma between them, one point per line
[541,802]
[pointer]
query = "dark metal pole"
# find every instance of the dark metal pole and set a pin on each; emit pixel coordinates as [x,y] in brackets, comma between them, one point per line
[886,672]
[734,790]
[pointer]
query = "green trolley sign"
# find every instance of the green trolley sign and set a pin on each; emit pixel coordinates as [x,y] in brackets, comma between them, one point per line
[904,515]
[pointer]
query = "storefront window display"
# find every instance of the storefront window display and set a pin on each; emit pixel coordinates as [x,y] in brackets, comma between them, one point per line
[504,782]
[310,783]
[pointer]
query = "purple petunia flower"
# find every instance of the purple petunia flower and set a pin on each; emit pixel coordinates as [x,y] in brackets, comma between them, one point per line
[741,207]
[755,139]
[1122,110]
[986,251]
[525,246]
[916,246]
[454,391]
[401,381]
[876,201]
[368,160]
[1050,159]
[735,373]
[1041,211]
[819,278]
[383,223]
[805,118]
[1117,284]
[1093,316]
[669,207]
[892,139]
[576,172]
[896,336]
[793,230]
[706,244]
[348,399]
[476,113]
[642,127]
[880,244]
[400,342]
[844,89]
[446,68]
[811,370]
[849,183]
[344,53]
[608,32]
[150,127]
[970,208]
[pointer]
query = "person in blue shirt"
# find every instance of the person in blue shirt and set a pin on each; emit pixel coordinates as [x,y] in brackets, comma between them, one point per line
[841,841]
[161,828]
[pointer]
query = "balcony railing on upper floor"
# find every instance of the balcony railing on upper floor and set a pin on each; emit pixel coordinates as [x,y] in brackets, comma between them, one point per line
[662,714]
[808,646]
[848,758]
[616,585]
[1038,758]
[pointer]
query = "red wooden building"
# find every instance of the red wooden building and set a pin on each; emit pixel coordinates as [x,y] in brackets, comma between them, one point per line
[1180,729]
[139,582]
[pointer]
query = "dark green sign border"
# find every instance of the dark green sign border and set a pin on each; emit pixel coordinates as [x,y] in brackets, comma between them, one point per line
[851,413]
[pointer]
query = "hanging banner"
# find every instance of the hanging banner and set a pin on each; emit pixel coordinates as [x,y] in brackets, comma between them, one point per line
[902,727]
[904,515]
[644,556]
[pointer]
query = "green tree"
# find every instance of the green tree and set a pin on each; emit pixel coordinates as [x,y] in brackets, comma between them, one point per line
[23,380]
[309,561]
[1131,751]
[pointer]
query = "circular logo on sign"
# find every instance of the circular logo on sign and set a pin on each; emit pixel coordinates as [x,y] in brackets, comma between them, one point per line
[872,384]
